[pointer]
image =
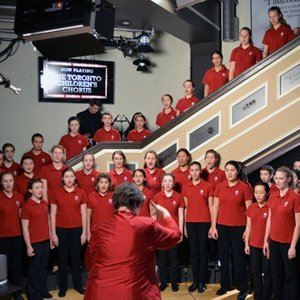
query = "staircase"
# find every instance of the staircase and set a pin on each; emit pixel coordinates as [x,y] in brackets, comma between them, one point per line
[251,117]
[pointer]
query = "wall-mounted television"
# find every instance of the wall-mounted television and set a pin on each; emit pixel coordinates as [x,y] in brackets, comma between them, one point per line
[76,80]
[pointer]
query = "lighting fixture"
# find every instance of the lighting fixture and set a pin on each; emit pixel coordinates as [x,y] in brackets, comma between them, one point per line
[144,43]
[142,64]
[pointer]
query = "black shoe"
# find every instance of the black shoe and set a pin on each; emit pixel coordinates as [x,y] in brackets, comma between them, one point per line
[163,286]
[80,290]
[193,287]
[61,293]
[175,287]
[201,287]
[221,291]
[47,295]
[242,295]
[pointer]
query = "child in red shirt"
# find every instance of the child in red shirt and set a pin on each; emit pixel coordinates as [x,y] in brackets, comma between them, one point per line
[182,172]
[232,197]
[282,235]
[244,56]
[8,164]
[119,173]
[51,174]
[36,233]
[168,113]
[140,132]
[257,215]
[86,177]
[217,76]
[73,142]
[198,197]
[189,99]
[107,133]
[39,157]
[279,33]
[212,173]
[11,243]
[100,205]
[266,174]
[139,178]
[21,181]
[173,202]
[153,172]
[68,229]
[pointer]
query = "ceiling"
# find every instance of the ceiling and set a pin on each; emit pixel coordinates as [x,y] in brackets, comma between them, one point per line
[198,22]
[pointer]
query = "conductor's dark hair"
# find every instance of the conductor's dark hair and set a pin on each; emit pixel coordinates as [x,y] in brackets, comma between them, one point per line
[128,194]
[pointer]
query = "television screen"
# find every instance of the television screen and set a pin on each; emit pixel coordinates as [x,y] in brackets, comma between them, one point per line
[76,81]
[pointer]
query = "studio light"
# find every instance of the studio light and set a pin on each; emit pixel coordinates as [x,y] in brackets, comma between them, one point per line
[142,64]
[128,49]
[144,43]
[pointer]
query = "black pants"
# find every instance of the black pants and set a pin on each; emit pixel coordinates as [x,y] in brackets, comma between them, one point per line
[198,239]
[12,247]
[37,271]
[164,256]
[230,241]
[69,249]
[261,274]
[284,272]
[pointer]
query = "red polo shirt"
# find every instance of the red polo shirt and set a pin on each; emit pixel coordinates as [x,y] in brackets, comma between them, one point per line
[102,135]
[162,118]
[283,211]
[273,188]
[258,216]
[172,204]
[15,168]
[276,38]
[183,104]
[154,179]
[101,206]
[9,214]
[182,178]
[117,179]
[148,196]
[39,160]
[215,177]
[21,184]
[68,214]
[74,145]
[135,136]
[245,58]
[37,215]
[232,208]
[87,181]
[215,79]
[197,209]
[53,177]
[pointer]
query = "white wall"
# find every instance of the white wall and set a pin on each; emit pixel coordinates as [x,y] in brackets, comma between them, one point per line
[23,115]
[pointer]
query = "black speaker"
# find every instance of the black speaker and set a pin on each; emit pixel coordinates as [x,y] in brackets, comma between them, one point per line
[230,21]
